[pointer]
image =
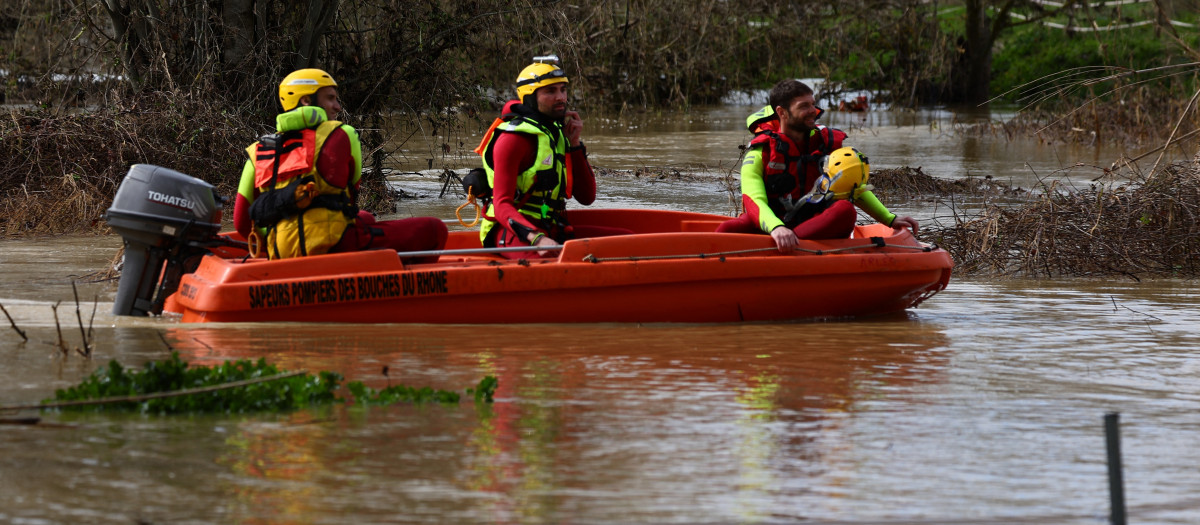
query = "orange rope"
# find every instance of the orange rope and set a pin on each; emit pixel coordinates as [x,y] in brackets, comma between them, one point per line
[470,202]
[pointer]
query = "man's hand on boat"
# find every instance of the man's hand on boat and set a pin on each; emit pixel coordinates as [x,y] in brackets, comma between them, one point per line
[906,222]
[542,240]
[785,238]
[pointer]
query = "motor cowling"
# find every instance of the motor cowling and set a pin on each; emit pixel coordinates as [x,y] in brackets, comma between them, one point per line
[165,218]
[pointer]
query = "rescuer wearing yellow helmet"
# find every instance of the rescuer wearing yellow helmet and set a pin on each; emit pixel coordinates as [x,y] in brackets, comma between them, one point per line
[798,181]
[299,187]
[534,162]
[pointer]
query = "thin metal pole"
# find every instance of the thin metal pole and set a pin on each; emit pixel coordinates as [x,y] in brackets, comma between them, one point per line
[468,251]
[1116,483]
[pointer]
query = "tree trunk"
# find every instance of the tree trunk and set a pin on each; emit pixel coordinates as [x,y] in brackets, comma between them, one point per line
[320,15]
[238,40]
[976,89]
[126,37]
[237,44]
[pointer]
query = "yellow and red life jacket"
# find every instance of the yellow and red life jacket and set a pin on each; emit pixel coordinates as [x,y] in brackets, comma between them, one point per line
[308,215]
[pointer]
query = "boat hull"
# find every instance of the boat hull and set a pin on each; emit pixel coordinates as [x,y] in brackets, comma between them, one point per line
[679,273]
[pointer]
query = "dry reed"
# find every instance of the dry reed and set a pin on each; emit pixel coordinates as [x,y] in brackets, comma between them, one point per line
[60,170]
[1136,229]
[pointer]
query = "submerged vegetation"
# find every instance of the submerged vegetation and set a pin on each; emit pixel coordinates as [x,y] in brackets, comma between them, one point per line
[173,386]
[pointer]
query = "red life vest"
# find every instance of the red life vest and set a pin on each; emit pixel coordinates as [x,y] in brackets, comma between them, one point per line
[285,156]
[790,171]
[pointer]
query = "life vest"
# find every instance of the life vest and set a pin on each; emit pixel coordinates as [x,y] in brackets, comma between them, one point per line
[789,171]
[544,187]
[306,214]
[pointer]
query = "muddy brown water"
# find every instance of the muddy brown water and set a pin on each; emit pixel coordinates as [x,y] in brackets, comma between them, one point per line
[985,403]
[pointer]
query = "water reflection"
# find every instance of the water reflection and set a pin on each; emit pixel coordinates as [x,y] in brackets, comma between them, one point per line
[584,414]
[982,403]
[276,467]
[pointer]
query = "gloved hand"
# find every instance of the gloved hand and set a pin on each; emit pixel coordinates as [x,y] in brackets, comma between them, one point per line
[278,204]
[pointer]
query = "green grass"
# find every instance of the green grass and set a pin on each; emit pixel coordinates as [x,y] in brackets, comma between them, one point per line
[1033,51]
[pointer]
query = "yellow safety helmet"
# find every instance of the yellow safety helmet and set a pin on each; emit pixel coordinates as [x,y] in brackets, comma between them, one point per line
[537,75]
[300,83]
[846,174]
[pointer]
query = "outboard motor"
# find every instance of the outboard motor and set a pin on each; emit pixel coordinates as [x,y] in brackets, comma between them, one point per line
[165,217]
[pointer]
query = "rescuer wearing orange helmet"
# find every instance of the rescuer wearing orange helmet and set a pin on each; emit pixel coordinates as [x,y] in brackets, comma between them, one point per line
[798,182]
[299,188]
[535,161]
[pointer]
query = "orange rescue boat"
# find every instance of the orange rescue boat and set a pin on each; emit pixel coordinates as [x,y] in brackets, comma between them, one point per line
[674,268]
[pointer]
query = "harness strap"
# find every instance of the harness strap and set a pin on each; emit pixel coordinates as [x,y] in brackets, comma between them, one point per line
[274,241]
[339,202]
[300,233]
[545,208]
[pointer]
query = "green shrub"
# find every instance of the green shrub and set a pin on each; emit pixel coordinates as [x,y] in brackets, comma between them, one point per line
[280,394]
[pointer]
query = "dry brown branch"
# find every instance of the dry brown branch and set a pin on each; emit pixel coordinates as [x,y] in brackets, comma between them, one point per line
[87,349]
[92,319]
[163,338]
[108,273]
[14,324]
[1144,229]
[62,344]
[61,171]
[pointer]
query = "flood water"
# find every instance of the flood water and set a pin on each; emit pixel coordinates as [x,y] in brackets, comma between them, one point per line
[984,405]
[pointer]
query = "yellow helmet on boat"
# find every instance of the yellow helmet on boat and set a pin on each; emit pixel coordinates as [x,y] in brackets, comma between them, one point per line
[300,83]
[537,75]
[846,172]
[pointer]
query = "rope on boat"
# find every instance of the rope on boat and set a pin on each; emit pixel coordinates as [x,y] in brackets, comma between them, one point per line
[470,202]
[471,251]
[876,242]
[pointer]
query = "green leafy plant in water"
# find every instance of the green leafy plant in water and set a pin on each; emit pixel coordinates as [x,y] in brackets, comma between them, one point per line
[174,374]
[366,395]
[485,391]
[279,394]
